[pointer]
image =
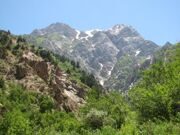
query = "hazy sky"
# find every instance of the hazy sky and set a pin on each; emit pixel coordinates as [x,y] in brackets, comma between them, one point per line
[156,20]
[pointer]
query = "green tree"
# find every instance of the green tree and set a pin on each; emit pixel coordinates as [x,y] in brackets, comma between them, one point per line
[94,119]
[157,94]
[15,123]
[46,104]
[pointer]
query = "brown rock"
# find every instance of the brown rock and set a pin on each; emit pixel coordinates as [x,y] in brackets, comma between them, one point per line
[67,94]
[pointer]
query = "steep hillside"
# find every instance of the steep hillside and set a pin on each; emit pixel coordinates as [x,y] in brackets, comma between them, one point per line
[112,55]
[40,71]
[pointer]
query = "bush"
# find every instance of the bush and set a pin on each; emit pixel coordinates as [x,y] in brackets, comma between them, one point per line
[46,104]
[44,53]
[160,128]
[15,123]
[109,110]
[88,79]
[151,105]
[157,94]
[95,119]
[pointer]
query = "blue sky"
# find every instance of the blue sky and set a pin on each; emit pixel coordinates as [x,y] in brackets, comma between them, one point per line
[156,20]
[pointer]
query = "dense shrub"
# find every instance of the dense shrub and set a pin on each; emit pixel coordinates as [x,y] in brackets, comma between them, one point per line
[157,95]
[15,123]
[94,119]
[46,104]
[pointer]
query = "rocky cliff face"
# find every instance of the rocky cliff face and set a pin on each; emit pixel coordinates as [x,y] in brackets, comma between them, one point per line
[67,93]
[114,56]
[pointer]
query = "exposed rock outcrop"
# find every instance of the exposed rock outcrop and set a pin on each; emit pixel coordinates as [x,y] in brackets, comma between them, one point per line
[69,96]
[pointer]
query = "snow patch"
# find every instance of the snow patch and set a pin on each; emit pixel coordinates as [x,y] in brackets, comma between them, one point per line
[63,36]
[89,33]
[59,46]
[101,66]
[131,85]
[78,34]
[93,45]
[71,50]
[137,52]
[101,82]
[110,71]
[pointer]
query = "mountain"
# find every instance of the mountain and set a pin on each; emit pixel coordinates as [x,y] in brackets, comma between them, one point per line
[114,55]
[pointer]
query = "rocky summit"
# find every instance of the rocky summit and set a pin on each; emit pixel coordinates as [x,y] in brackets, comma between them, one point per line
[114,55]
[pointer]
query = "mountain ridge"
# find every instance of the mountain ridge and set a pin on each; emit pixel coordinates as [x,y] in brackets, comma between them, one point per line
[99,51]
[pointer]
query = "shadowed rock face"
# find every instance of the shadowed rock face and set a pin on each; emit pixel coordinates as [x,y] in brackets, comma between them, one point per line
[21,72]
[112,55]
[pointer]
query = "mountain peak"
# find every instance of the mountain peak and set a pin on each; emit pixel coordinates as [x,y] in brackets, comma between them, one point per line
[57,25]
[60,28]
